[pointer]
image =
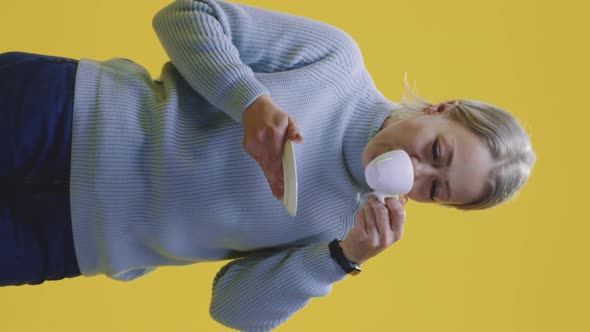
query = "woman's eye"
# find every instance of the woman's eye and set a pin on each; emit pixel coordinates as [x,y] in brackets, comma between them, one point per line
[435,150]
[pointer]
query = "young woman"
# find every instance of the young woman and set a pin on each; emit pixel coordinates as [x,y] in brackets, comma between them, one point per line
[181,169]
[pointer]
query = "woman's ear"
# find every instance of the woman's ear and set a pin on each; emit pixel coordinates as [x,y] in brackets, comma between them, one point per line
[440,108]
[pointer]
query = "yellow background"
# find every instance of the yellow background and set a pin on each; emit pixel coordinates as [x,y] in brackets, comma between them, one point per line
[519,267]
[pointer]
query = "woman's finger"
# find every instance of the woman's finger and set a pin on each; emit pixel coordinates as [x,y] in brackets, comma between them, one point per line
[280,136]
[360,228]
[398,217]
[383,221]
[272,162]
[270,178]
[278,178]
[379,212]
[370,226]
[378,218]
[273,171]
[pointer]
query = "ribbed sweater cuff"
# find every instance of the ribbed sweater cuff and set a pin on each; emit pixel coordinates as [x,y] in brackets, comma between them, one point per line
[247,90]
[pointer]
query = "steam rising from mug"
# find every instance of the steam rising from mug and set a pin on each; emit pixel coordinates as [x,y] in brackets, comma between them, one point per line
[390,174]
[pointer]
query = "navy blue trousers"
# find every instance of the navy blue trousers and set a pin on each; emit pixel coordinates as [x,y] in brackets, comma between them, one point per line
[36,105]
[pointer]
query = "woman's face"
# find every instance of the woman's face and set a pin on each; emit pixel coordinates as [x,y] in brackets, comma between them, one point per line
[451,164]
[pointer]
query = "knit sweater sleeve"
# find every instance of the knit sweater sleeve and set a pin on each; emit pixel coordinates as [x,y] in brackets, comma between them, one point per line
[260,292]
[217,46]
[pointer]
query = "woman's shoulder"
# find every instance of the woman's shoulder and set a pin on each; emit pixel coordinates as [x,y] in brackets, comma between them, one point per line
[330,35]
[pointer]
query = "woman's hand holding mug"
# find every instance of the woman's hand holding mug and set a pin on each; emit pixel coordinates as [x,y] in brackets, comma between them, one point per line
[377,227]
[266,129]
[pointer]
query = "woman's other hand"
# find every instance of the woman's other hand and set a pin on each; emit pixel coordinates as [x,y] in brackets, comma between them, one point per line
[377,227]
[266,129]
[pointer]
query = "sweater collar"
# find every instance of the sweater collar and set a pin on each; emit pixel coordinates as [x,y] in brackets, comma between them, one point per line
[364,122]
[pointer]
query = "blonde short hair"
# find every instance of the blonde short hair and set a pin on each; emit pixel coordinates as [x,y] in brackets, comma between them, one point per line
[507,140]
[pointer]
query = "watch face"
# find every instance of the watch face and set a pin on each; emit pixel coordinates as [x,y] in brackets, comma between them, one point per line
[356,271]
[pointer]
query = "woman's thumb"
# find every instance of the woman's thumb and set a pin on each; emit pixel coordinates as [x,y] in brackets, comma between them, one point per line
[403,199]
[294,131]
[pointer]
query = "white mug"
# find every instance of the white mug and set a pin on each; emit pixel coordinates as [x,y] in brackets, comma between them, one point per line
[390,174]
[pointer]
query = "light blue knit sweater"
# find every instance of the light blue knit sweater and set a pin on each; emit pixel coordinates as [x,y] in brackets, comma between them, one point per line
[159,176]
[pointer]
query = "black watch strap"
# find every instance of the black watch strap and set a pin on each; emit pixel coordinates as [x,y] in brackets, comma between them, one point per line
[338,255]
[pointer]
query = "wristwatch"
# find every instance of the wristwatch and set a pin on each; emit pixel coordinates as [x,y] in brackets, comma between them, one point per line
[338,255]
